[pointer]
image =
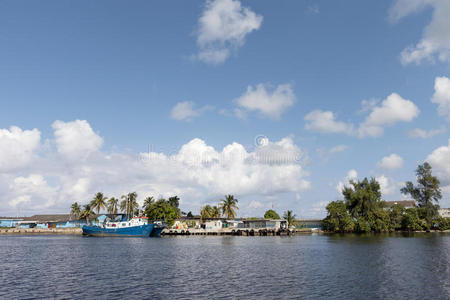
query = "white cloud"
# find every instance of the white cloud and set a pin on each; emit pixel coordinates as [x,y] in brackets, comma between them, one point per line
[255,204]
[325,122]
[425,134]
[197,173]
[76,140]
[435,40]
[223,27]
[268,103]
[352,175]
[441,95]
[391,162]
[440,161]
[186,111]
[17,147]
[392,110]
[338,148]
[387,185]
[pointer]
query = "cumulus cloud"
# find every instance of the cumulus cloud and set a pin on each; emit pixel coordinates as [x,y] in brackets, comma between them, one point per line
[269,103]
[392,110]
[17,147]
[387,185]
[222,28]
[186,111]
[441,95]
[425,134]
[391,162]
[197,172]
[435,40]
[325,122]
[76,140]
[440,161]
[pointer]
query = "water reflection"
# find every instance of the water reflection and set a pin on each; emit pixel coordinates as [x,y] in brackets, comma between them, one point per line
[306,266]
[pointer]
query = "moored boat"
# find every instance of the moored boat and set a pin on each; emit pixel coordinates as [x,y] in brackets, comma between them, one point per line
[137,226]
[157,229]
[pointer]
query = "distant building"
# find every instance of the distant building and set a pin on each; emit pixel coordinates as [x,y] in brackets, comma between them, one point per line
[263,224]
[444,212]
[404,203]
[51,221]
[9,222]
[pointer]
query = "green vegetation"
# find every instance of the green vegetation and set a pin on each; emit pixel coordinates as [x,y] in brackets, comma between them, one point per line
[162,209]
[426,192]
[87,213]
[271,214]
[363,209]
[229,206]
[113,204]
[289,217]
[75,210]
[99,202]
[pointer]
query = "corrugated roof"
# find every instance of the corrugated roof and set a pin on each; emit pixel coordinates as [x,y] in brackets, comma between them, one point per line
[404,203]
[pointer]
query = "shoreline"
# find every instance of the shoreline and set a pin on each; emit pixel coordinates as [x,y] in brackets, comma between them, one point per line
[194,232]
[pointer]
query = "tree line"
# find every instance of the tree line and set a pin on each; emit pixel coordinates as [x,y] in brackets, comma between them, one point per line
[160,209]
[363,209]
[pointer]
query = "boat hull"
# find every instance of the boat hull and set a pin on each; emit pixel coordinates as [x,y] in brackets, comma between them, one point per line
[136,231]
[156,232]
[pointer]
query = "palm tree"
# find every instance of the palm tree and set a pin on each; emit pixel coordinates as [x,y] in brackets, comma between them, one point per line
[112,205]
[215,212]
[289,216]
[206,212]
[87,213]
[75,210]
[148,202]
[129,204]
[99,202]
[228,206]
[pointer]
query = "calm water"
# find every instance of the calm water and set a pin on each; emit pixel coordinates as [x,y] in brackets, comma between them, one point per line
[311,267]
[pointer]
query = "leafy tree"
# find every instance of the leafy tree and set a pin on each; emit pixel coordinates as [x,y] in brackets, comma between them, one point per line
[426,192]
[75,210]
[174,201]
[99,202]
[411,220]
[112,205]
[271,214]
[362,225]
[229,206]
[338,218]
[363,197]
[162,210]
[289,216]
[190,215]
[87,213]
[396,215]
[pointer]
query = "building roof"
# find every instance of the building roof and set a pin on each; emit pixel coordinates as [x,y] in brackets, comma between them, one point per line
[51,218]
[404,203]
[11,218]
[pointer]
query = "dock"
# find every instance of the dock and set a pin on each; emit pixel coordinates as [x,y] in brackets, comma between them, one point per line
[236,232]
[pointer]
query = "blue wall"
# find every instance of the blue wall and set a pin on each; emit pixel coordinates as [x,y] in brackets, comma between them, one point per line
[9,222]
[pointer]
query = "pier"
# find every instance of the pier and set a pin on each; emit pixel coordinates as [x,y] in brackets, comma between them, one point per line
[236,232]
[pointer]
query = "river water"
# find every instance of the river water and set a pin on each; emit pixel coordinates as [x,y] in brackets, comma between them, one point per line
[204,267]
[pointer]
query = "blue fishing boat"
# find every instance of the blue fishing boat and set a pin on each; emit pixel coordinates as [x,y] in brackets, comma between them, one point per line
[157,229]
[137,226]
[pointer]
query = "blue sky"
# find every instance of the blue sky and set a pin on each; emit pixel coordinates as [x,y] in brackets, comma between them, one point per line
[121,68]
